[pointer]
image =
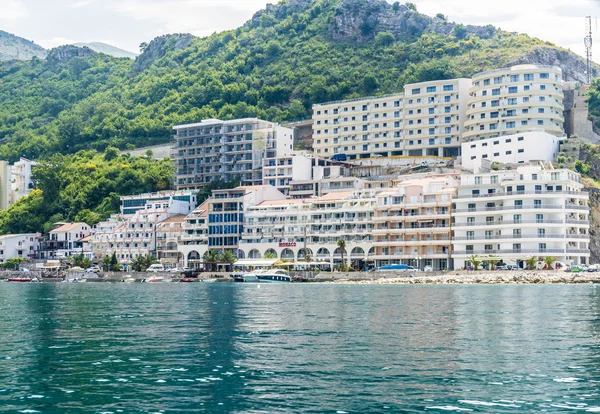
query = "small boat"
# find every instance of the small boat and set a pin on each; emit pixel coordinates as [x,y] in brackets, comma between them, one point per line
[157,279]
[268,276]
[128,279]
[189,280]
[22,280]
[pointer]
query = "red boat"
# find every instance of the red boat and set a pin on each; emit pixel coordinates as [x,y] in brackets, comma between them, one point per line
[20,280]
[189,280]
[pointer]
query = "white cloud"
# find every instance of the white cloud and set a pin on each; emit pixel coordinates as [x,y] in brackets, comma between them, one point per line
[12,10]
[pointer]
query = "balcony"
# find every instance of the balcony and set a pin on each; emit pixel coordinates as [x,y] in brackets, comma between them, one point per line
[517,193]
[510,251]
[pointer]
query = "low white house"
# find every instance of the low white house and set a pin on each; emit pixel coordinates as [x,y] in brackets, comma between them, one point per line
[511,149]
[64,241]
[18,245]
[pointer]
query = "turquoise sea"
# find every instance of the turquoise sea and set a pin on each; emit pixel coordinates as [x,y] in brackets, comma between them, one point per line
[225,348]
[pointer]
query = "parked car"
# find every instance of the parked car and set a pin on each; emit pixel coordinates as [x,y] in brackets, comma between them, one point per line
[93,269]
[502,267]
[428,269]
[575,269]
[593,268]
[155,268]
[179,269]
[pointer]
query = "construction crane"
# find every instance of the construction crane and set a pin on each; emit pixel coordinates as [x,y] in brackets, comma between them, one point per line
[588,47]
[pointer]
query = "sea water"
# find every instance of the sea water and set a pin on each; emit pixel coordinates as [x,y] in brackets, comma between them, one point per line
[234,348]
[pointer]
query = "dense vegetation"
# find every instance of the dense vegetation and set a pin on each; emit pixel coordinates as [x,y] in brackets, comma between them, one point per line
[85,187]
[274,67]
[593,99]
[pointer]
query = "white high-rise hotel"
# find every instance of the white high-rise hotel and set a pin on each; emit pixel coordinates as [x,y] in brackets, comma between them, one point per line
[434,118]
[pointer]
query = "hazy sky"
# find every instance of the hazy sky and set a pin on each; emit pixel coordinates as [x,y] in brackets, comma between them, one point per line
[127,23]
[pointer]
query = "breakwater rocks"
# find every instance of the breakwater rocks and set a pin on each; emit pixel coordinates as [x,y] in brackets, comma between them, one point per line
[486,278]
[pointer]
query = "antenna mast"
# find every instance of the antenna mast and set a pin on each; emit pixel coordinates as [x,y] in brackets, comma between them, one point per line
[588,47]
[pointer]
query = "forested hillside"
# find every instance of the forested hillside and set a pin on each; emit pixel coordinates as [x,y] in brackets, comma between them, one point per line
[277,65]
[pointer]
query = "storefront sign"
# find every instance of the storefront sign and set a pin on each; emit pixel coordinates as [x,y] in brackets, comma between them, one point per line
[287,244]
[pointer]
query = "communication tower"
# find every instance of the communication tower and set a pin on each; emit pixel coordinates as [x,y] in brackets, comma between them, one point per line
[588,47]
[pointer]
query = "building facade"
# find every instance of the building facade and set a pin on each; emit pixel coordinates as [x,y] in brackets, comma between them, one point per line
[65,240]
[516,214]
[226,213]
[511,149]
[427,120]
[194,240]
[515,100]
[133,233]
[22,183]
[279,172]
[227,150]
[413,223]
[169,233]
[19,245]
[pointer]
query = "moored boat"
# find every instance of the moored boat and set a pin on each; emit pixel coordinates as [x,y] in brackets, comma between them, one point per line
[22,280]
[267,276]
[157,279]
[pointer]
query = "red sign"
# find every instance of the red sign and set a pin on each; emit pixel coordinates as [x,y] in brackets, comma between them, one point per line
[293,244]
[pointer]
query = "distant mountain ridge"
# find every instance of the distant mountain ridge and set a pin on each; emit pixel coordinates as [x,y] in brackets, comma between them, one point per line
[107,49]
[14,47]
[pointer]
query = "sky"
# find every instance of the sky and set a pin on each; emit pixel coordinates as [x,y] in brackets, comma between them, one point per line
[127,23]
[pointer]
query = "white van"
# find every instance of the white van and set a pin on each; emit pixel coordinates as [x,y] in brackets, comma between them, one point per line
[155,268]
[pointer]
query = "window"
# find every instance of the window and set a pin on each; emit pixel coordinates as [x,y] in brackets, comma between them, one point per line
[539,218]
[496,91]
[431,89]
[544,76]
[542,246]
[496,154]
[512,101]
[517,247]
[448,88]
[486,82]
[447,140]
[496,142]
[540,110]
[498,80]
[526,87]
[477,180]
[537,203]
[516,218]
[517,233]
[493,126]
[431,111]
[510,124]
[513,89]
[447,109]
[520,138]
[495,103]
[494,114]
[540,122]
[514,78]
[508,152]
[528,76]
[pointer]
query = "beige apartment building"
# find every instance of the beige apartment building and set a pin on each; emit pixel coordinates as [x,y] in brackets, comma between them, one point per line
[424,121]
[413,223]
[515,100]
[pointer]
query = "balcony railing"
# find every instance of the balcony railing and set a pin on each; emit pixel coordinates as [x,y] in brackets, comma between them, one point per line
[509,251]
[517,193]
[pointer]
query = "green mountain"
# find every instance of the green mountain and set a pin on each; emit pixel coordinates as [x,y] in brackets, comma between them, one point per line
[286,58]
[15,47]
[107,49]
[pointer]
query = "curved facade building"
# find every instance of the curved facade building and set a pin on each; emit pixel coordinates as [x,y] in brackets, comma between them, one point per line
[514,100]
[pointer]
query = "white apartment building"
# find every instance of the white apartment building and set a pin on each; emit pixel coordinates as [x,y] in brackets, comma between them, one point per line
[226,209]
[64,241]
[134,232]
[534,210]
[19,245]
[5,185]
[228,150]
[413,223]
[427,120]
[291,229]
[22,183]
[194,240]
[511,149]
[280,171]
[515,100]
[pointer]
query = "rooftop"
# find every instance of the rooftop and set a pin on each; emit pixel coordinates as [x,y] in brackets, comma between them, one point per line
[67,227]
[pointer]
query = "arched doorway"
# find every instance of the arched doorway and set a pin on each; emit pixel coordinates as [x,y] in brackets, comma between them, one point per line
[254,254]
[287,255]
[271,254]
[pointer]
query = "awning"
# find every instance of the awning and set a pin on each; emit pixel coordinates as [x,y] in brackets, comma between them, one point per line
[255,262]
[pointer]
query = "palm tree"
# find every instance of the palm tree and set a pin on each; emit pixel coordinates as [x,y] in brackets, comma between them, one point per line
[342,245]
[531,262]
[227,257]
[270,255]
[493,261]
[307,258]
[549,262]
[212,257]
[474,261]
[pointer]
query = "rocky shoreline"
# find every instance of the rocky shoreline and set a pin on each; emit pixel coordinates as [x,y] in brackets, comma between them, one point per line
[485,278]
